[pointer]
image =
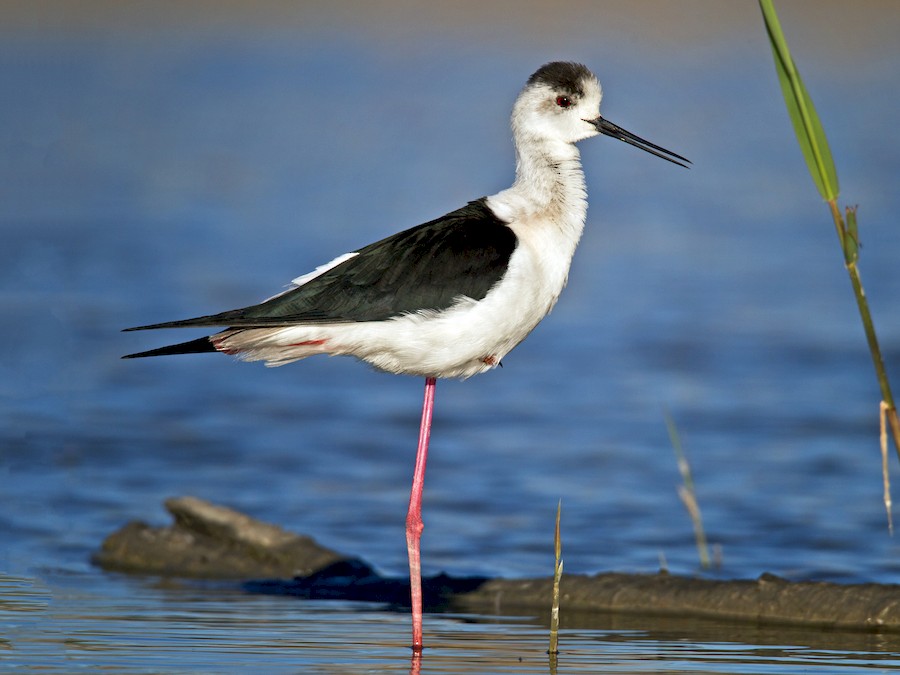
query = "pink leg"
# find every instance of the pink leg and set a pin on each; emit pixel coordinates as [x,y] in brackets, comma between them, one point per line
[414,524]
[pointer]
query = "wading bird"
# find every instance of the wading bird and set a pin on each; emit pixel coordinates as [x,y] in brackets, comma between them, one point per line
[451,297]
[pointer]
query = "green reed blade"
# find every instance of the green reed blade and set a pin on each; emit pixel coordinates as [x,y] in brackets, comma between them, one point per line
[810,135]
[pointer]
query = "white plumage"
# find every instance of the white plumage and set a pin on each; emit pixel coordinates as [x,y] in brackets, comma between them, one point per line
[545,208]
[451,297]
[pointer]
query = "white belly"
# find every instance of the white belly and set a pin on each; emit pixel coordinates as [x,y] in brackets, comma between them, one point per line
[468,338]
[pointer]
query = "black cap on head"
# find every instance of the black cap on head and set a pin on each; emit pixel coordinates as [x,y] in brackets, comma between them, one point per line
[562,76]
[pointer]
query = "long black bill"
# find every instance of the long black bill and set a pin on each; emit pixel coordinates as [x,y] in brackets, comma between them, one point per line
[609,129]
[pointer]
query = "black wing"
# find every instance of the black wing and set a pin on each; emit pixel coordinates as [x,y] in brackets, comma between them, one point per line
[427,267]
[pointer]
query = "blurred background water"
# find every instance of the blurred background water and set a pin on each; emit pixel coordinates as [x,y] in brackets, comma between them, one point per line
[163,160]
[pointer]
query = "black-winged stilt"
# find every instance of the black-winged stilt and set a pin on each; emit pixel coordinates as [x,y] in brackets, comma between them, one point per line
[451,297]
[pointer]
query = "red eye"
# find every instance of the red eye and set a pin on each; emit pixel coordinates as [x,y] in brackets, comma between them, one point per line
[563,101]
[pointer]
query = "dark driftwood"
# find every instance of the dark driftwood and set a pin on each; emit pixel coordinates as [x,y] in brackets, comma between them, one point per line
[214,542]
[208,541]
[768,599]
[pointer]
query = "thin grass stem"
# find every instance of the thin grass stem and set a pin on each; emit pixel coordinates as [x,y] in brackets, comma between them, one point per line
[557,576]
[885,474]
[814,144]
[687,494]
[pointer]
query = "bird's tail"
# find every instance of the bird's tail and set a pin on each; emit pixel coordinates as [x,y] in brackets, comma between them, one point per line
[198,346]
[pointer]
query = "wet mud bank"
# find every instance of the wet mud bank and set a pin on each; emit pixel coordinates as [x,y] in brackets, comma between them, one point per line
[208,541]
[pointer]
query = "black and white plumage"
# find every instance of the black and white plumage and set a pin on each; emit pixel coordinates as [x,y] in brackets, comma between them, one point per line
[451,297]
[378,296]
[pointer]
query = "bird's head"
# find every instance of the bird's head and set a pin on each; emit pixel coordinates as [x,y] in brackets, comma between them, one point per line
[561,102]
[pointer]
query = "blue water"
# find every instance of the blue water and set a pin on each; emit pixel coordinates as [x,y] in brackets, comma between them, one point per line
[160,169]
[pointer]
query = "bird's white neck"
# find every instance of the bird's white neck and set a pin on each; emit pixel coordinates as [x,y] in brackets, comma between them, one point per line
[549,188]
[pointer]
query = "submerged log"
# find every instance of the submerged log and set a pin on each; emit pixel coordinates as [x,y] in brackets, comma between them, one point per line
[767,600]
[214,542]
[208,541]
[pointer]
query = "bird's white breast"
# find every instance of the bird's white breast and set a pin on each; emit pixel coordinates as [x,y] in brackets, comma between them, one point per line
[545,208]
[468,338]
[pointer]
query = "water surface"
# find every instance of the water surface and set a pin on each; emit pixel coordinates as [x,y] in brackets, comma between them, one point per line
[159,166]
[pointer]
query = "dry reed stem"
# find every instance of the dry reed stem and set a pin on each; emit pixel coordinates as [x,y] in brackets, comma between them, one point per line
[884,408]
[557,575]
